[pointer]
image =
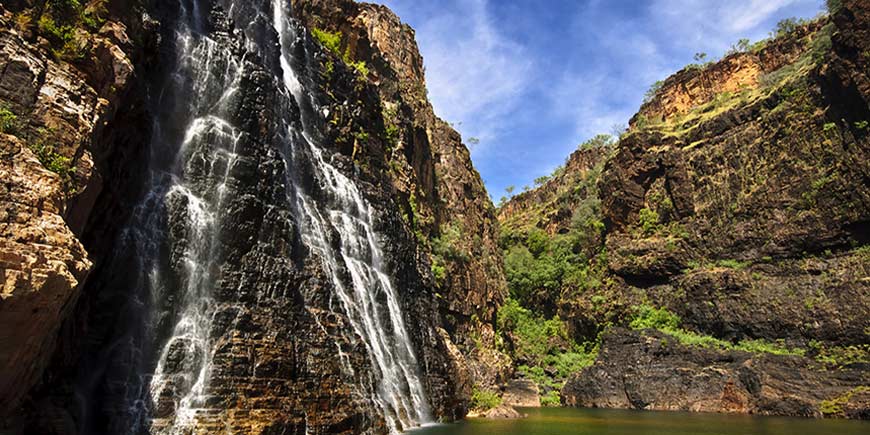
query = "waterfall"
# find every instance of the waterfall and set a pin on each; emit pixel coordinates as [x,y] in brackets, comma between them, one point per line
[399,392]
[176,238]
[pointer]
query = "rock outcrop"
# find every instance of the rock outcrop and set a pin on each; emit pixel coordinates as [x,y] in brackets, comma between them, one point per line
[87,235]
[665,375]
[54,112]
[523,393]
[503,412]
[738,201]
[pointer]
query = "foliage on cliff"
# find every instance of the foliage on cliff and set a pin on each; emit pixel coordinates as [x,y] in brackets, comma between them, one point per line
[731,216]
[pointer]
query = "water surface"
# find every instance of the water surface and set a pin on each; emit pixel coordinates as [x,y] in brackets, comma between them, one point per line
[564,421]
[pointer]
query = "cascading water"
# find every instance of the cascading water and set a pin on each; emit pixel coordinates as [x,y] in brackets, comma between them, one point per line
[196,149]
[400,392]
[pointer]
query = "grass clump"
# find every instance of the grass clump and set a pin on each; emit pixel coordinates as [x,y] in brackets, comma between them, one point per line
[834,407]
[8,121]
[484,400]
[839,356]
[661,319]
[332,42]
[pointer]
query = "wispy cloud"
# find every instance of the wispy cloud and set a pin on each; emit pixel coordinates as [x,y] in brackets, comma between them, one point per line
[533,80]
[476,75]
[742,18]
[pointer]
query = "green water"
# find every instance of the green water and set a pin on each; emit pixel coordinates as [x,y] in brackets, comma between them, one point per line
[564,421]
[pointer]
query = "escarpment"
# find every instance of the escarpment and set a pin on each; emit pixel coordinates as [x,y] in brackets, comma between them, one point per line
[55,105]
[441,194]
[733,217]
[235,215]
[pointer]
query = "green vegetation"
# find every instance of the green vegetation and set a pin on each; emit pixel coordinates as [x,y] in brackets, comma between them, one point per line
[51,159]
[540,267]
[65,24]
[648,317]
[742,46]
[483,400]
[839,356]
[8,121]
[661,319]
[361,136]
[787,26]
[599,141]
[834,407]
[329,40]
[648,220]
[543,269]
[332,42]
[552,398]
[548,356]
[391,128]
[732,264]
[447,248]
[652,91]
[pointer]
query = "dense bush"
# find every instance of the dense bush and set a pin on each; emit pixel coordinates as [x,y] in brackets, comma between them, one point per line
[547,355]
[483,400]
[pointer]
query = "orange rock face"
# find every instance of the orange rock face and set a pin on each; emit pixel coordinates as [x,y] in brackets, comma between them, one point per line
[42,262]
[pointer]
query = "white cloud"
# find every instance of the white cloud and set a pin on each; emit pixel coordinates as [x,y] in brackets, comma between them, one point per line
[752,13]
[475,74]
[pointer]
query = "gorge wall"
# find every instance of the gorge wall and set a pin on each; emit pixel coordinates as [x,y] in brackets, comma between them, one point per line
[235,224]
[245,215]
[733,218]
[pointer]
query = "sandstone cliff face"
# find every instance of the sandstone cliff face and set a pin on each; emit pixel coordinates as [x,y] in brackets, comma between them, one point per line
[441,193]
[54,115]
[739,193]
[738,201]
[109,247]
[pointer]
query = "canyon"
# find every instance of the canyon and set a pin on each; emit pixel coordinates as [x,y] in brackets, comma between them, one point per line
[245,217]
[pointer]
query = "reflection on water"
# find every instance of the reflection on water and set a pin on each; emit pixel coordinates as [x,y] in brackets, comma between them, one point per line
[563,421]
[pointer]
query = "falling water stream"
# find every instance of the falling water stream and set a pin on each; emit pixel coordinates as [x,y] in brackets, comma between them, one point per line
[190,182]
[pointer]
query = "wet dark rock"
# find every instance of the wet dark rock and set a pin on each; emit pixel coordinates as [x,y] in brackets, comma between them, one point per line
[653,371]
[278,341]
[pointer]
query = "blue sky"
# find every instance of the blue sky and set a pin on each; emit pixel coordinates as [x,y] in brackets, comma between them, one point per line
[532,79]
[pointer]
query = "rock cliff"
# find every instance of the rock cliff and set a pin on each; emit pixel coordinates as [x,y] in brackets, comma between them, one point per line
[441,194]
[162,262]
[55,105]
[736,205]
